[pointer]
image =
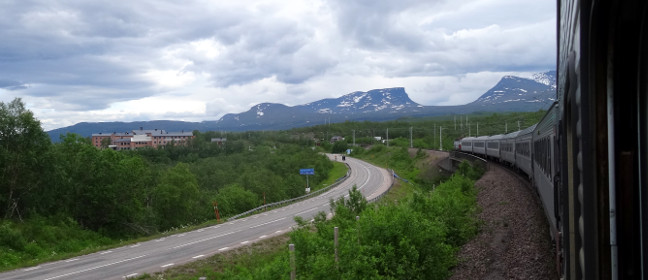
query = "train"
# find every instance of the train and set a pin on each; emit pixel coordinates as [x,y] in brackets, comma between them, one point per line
[587,158]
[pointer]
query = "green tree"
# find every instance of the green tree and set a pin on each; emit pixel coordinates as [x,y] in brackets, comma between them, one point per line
[339,147]
[22,146]
[176,197]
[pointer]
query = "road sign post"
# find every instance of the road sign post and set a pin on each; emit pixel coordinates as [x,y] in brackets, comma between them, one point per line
[307,171]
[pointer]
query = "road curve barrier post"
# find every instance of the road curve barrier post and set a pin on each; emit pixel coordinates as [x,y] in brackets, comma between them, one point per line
[293,273]
[335,241]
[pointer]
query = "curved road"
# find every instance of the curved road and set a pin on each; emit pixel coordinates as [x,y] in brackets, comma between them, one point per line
[156,255]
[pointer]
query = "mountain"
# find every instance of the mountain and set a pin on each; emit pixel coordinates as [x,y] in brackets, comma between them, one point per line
[510,94]
[519,94]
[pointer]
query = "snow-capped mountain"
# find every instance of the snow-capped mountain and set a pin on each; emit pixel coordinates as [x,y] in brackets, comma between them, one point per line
[510,94]
[513,93]
[389,100]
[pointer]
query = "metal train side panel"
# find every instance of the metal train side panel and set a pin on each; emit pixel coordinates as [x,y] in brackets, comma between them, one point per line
[479,145]
[523,148]
[543,164]
[507,147]
[466,144]
[493,146]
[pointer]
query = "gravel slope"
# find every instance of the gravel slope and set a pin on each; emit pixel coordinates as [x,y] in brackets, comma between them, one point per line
[514,241]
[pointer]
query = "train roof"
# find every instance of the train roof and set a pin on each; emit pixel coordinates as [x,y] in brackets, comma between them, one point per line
[528,130]
[467,138]
[482,137]
[512,134]
[496,137]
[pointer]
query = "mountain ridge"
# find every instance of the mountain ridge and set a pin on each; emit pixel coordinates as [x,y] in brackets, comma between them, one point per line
[510,94]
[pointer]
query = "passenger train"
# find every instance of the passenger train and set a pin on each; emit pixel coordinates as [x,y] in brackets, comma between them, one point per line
[588,157]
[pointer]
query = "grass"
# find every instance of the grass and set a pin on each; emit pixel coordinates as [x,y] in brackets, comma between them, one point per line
[338,171]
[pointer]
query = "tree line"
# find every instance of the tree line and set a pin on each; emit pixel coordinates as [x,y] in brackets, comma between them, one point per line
[134,193]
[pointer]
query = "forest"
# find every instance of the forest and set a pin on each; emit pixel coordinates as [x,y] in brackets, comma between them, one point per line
[64,198]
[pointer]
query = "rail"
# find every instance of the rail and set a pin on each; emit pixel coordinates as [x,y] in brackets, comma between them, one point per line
[287,201]
[460,156]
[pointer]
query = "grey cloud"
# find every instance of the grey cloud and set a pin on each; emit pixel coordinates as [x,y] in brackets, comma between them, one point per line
[12,85]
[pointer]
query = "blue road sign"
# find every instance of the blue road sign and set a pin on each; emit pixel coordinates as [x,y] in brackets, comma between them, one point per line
[307,171]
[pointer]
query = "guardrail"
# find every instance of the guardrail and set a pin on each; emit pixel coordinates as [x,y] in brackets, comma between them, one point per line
[287,201]
[458,156]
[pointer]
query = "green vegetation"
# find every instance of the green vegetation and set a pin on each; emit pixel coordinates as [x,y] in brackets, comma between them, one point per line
[416,238]
[425,131]
[67,198]
[93,197]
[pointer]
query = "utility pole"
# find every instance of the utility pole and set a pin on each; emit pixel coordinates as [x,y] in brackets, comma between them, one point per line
[506,128]
[477,129]
[440,138]
[434,132]
[455,121]
[354,137]
[387,137]
[519,125]
[468,129]
[460,123]
[411,143]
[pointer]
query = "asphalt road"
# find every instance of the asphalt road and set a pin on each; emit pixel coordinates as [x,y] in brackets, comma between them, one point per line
[159,254]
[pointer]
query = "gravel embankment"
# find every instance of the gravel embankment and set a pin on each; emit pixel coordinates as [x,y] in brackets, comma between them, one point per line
[514,241]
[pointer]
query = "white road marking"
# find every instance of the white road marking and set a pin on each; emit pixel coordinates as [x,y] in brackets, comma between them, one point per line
[199,256]
[106,252]
[93,268]
[223,249]
[366,181]
[71,260]
[181,235]
[306,211]
[279,231]
[262,236]
[201,230]
[166,265]
[245,242]
[130,275]
[32,268]
[203,240]
[270,222]
[161,239]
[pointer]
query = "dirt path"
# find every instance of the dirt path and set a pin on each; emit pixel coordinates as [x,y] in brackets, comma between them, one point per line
[514,241]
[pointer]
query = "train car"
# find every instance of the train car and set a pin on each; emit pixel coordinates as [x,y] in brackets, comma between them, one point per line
[467,144]
[493,146]
[479,145]
[523,146]
[544,165]
[507,147]
[602,89]
[457,145]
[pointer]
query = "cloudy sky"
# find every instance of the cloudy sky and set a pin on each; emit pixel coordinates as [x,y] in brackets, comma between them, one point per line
[81,60]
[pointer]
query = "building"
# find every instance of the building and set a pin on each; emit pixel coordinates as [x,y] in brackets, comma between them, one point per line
[141,138]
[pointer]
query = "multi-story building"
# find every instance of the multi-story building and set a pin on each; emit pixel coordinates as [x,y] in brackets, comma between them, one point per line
[140,138]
